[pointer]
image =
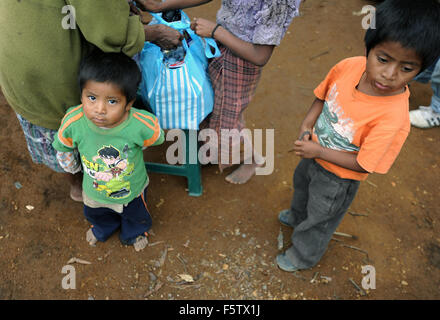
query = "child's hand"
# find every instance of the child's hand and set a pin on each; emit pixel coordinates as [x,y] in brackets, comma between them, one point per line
[307,149]
[203,27]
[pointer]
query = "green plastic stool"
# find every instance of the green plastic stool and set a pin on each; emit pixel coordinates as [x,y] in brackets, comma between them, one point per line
[191,170]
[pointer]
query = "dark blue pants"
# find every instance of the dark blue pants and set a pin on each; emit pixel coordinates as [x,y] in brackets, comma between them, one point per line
[135,220]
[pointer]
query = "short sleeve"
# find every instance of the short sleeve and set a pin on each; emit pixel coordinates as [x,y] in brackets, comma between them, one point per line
[322,89]
[151,134]
[380,149]
[273,20]
[64,140]
[160,139]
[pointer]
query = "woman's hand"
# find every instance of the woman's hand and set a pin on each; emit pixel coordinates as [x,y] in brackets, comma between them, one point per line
[163,36]
[203,27]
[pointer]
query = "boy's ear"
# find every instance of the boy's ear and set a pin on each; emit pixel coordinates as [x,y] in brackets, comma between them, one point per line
[129,105]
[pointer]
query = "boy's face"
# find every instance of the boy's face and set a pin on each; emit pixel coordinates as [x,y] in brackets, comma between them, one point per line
[109,161]
[389,69]
[104,104]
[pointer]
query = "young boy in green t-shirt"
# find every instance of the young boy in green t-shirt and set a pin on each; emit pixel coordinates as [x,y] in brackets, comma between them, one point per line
[109,135]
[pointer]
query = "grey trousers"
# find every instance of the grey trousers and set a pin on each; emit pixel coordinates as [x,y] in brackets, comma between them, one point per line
[319,203]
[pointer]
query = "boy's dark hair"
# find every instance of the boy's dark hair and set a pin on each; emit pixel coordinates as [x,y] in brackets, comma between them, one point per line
[413,24]
[108,152]
[115,68]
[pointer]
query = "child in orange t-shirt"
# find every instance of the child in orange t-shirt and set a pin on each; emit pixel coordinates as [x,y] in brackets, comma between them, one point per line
[357,124]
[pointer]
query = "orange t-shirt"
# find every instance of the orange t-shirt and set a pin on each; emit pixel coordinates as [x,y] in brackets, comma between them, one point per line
[373,127]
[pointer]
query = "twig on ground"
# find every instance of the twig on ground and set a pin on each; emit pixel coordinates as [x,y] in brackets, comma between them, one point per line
[163,257]
[280,240]
[181,259]
[371,183]
[314,277]
[299,276]
[73,260]
[355,248]
[155,289]
[154,243]
[358,214]
[359,289]
[319,54]
[185,286]
[326,279]
[344,235]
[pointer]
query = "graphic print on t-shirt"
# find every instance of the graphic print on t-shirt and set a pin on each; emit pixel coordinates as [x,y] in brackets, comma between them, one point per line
[109,172]
[333,130]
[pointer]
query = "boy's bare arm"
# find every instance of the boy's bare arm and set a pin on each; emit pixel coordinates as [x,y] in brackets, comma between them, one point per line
[310,120]
[306,148]
[311,150]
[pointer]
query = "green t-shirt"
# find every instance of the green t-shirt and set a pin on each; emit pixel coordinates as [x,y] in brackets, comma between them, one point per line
[112,159]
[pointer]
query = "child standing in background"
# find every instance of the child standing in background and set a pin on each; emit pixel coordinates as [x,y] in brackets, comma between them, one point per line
[428,116]
[357,124]
[247,32]
[110,135]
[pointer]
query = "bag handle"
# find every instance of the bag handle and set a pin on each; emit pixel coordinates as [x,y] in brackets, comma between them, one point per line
[184,24]
[208,44]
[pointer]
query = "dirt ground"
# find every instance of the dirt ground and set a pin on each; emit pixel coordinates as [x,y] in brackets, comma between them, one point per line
[227,238]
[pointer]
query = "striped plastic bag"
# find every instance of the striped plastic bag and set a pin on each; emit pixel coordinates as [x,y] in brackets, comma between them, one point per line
[180,94]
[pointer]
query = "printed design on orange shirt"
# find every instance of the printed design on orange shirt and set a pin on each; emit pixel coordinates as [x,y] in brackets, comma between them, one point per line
[108,170]
[334,131]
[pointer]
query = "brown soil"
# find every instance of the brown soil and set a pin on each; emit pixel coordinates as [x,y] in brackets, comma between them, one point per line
[227,238]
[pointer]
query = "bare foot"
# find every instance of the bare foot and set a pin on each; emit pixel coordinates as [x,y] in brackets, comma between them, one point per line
[76,193]
[90,237]
[140,243]
[242,174]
